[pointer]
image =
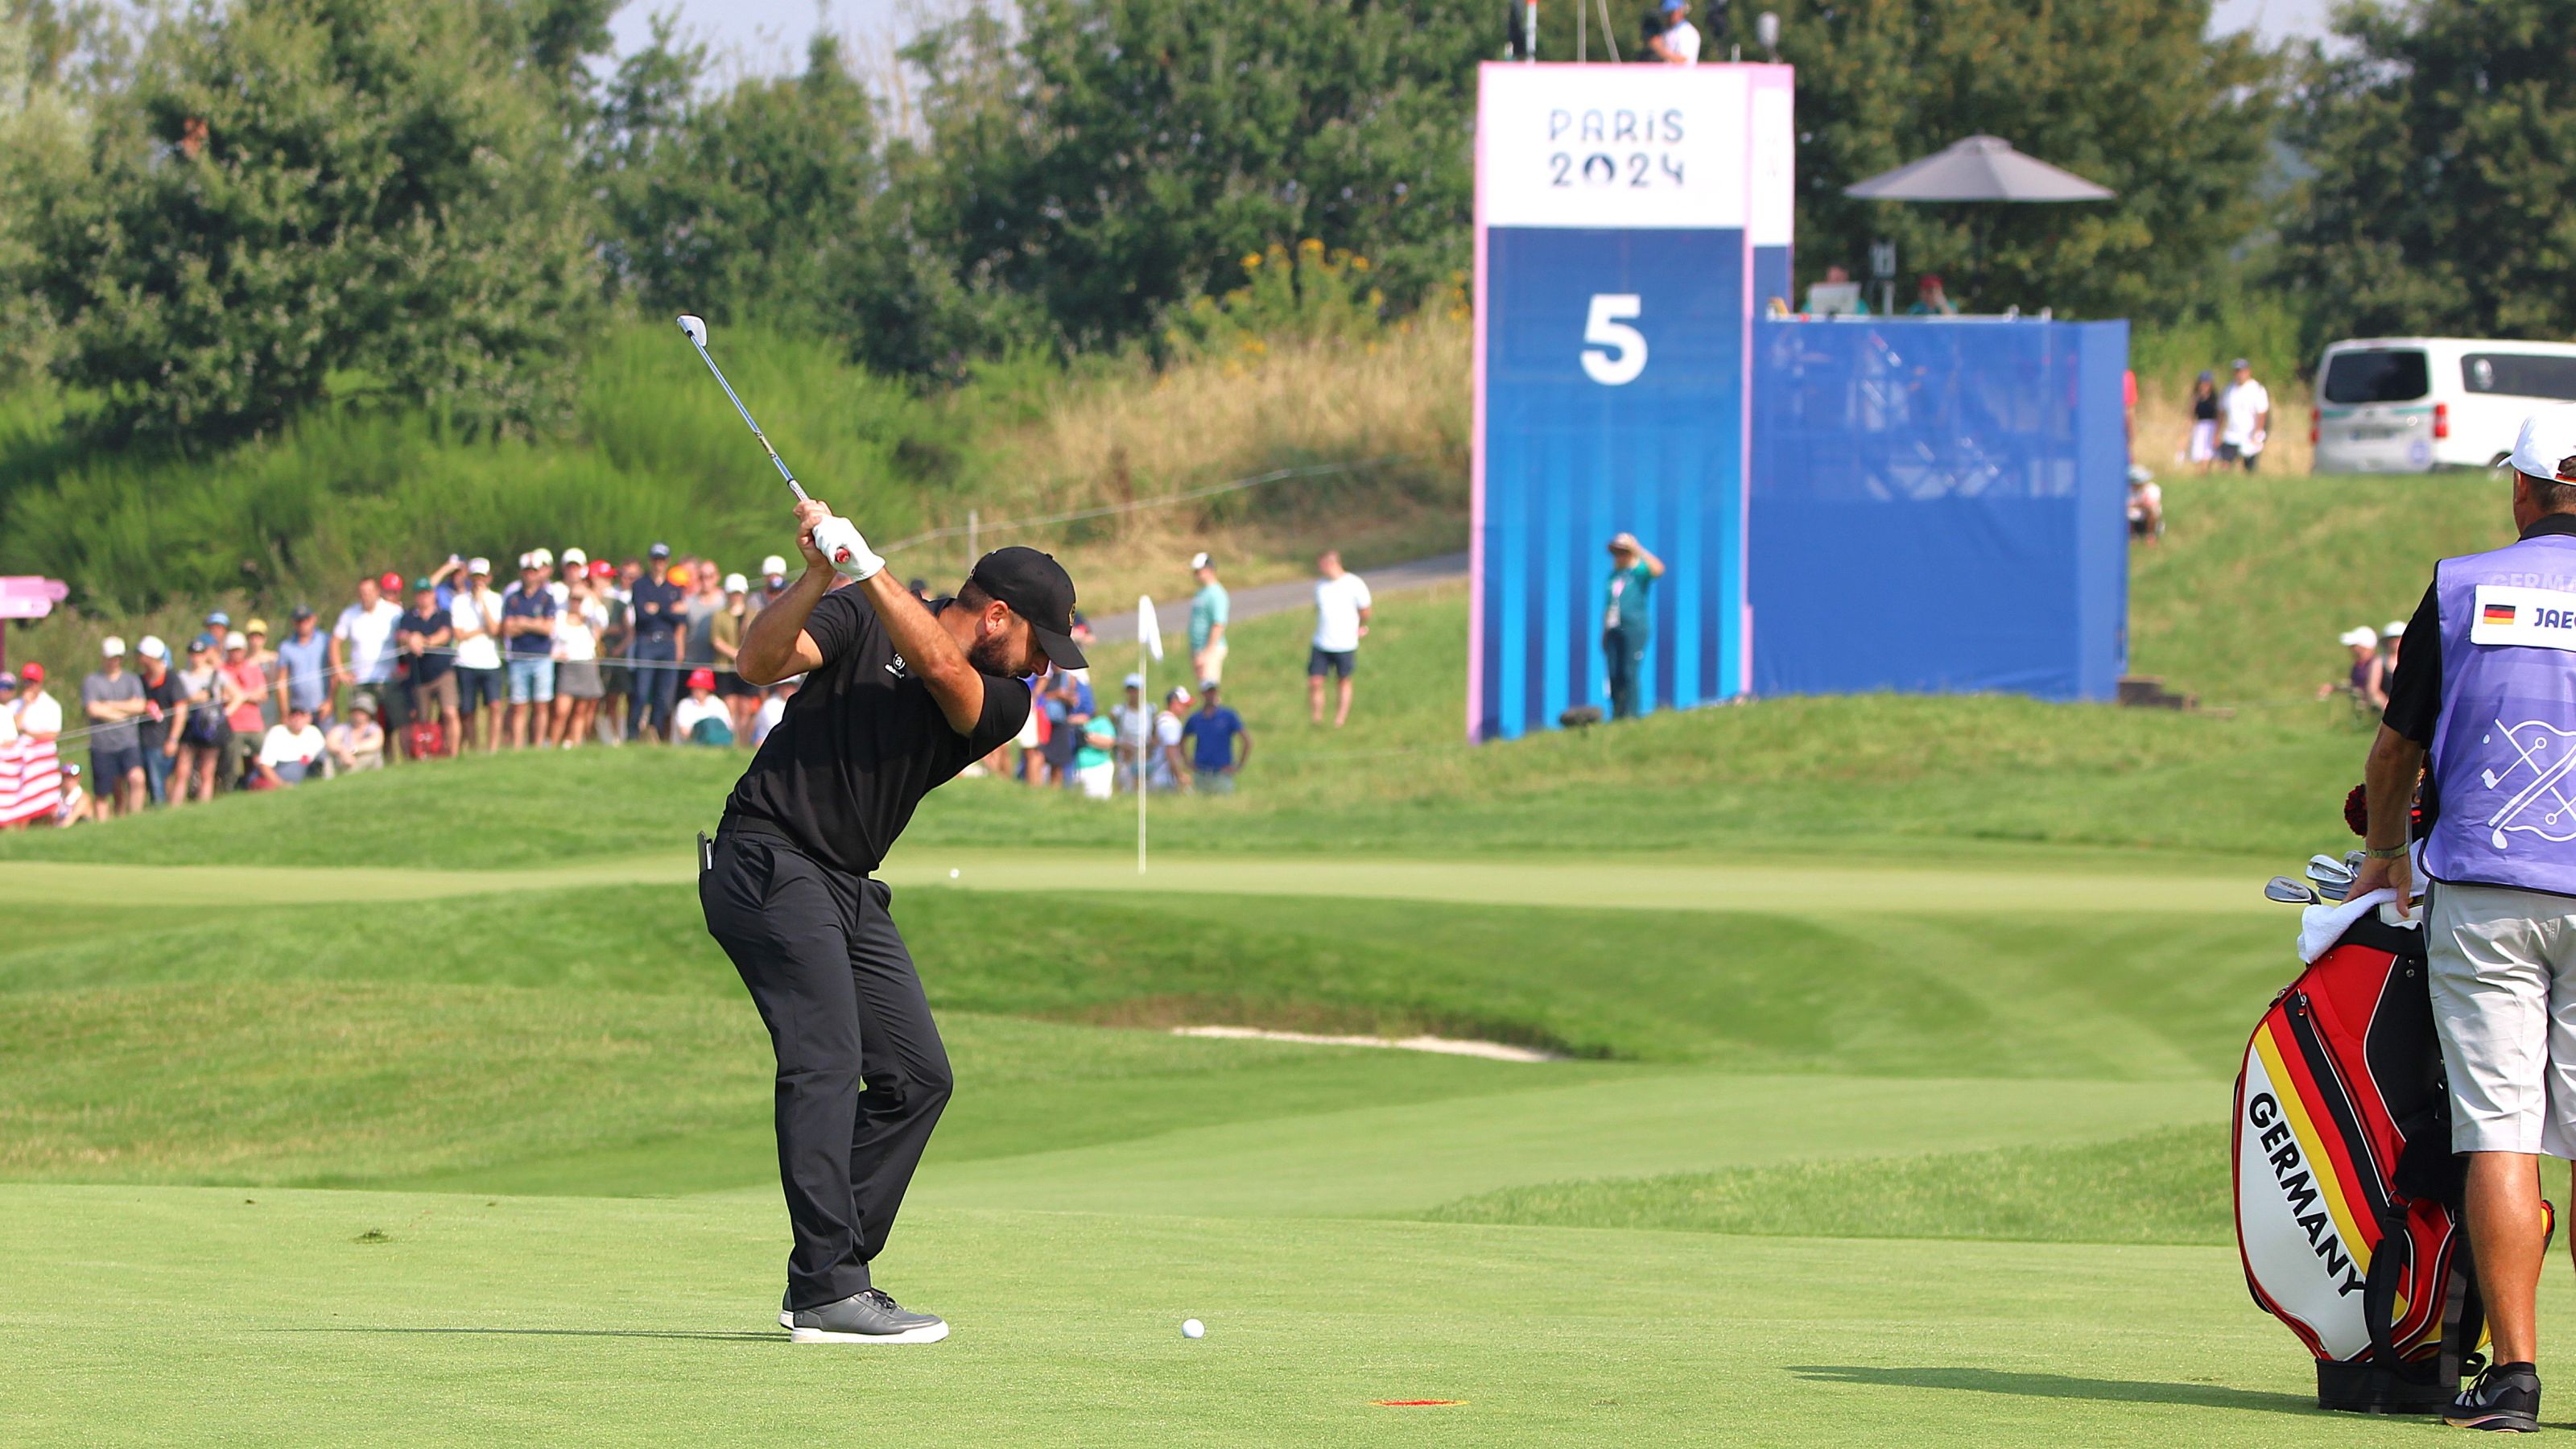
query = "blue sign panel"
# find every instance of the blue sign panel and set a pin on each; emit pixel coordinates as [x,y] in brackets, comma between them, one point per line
[1614,401]
[1939,506]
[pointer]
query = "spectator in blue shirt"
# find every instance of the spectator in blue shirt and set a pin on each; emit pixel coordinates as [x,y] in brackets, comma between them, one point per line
[658,616]
[1212,733]
[528,622]
[304,668]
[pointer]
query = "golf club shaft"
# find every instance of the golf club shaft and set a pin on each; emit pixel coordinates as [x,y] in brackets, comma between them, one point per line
[792,485]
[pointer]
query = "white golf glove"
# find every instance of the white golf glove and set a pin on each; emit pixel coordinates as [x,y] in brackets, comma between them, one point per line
[839,540]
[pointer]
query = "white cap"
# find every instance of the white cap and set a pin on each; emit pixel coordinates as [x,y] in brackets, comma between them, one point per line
[2360,636]
[527,560]
[1198,561]
[478,565]
[774,565]
[2548,440]
[234,640]
[541,558]
[111,647]
[153,648]
[1135,681]
[2395,628]
[1180,694]
[575,556]
[737,584]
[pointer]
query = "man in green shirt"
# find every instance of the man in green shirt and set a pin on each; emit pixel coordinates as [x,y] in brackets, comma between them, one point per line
[1625,618]
[1207,621]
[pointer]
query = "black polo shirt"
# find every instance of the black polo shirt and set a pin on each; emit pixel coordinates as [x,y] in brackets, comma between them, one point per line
[862,741]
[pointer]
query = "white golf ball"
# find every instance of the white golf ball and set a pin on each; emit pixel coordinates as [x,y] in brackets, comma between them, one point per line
[1192,1328]
[952,872]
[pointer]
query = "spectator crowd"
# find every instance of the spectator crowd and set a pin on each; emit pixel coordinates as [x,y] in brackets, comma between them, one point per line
[574,652]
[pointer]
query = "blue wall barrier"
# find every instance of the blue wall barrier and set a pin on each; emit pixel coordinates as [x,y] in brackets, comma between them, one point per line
[1938,506]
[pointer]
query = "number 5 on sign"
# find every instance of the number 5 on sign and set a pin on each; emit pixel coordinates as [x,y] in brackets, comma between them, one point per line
[1605,329]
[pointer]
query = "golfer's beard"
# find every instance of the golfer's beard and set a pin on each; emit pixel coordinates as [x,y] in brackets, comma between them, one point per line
[992,655]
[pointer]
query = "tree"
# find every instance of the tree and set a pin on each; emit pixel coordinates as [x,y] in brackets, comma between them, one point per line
[2127,93]
[2444,141]
[773,202]
[301,197]
[1122,154]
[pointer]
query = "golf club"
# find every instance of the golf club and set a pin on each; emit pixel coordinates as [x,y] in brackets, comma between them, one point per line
[696,328]
[827,535]
[2289,892]
[2326,867]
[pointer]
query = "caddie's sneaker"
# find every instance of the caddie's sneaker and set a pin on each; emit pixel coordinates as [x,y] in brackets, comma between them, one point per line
[869,1317]
[2506,1397]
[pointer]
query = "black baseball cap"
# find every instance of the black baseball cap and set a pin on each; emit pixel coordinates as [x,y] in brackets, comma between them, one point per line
[660,550]
[1039,590]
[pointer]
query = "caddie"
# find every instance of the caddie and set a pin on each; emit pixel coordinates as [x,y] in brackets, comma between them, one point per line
[2486,691]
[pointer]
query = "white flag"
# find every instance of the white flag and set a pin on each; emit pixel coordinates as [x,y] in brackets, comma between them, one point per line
[1148,628]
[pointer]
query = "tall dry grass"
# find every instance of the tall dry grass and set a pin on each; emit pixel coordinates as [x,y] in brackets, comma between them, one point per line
[1395,409]
[2164,429]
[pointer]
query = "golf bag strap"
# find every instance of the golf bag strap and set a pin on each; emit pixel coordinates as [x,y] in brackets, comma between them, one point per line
[2388,1264]
[2464,1320]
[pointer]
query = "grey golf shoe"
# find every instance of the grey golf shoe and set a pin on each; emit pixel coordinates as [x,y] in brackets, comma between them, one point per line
[869,1317]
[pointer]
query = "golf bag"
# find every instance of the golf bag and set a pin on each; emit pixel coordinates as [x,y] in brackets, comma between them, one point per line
[2348,1212]
[424,740]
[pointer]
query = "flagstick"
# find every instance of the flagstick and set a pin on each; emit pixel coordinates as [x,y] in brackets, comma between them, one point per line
[1145,701]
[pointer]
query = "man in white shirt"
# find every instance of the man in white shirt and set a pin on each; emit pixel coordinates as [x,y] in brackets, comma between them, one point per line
[475,615]
[40,715]
[1341,620]
[2245,419]
[290,755]
[1679,44]
[1169,767]
[362,642]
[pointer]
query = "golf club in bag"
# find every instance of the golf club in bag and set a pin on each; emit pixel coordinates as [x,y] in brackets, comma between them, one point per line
[2349,1212]
[837,537]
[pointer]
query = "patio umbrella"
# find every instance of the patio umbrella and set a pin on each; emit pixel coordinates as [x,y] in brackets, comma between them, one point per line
[1978,169]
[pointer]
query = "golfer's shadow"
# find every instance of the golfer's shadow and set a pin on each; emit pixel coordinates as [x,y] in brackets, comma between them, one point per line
[2060,1386]
[698,1335]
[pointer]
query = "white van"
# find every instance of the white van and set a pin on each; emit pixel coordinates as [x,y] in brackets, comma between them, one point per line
[2411,404]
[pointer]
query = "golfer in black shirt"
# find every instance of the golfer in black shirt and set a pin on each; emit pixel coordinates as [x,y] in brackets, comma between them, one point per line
[898,698]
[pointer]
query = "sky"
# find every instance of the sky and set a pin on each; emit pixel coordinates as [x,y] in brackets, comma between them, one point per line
[769,35]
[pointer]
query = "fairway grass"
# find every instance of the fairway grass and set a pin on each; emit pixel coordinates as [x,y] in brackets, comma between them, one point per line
[2157,1187]
[418,1107]
[232,1317]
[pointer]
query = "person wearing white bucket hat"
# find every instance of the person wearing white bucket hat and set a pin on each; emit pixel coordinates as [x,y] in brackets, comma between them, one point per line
[2362,680]
[2469,766]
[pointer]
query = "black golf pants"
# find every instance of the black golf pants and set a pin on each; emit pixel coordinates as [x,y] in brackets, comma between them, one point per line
[862,1075]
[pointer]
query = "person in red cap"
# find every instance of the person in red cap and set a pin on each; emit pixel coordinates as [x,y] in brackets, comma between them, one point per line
[702,718]
[898,697]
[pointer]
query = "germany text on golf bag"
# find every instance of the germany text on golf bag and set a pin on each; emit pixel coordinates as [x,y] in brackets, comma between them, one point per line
[2347,1193]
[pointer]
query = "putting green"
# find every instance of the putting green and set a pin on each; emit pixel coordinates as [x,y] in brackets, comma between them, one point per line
[1820,886]
[152,1316]
[1416,1156]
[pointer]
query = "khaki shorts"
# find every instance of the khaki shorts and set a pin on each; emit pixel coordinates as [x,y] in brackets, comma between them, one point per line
[1210,663]
[2503,975]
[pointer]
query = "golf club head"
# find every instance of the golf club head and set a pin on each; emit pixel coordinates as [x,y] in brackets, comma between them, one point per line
[2289,892]
[2326,867]
[696,327]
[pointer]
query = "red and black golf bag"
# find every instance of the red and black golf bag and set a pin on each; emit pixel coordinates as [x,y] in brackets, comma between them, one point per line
[2347,1193]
